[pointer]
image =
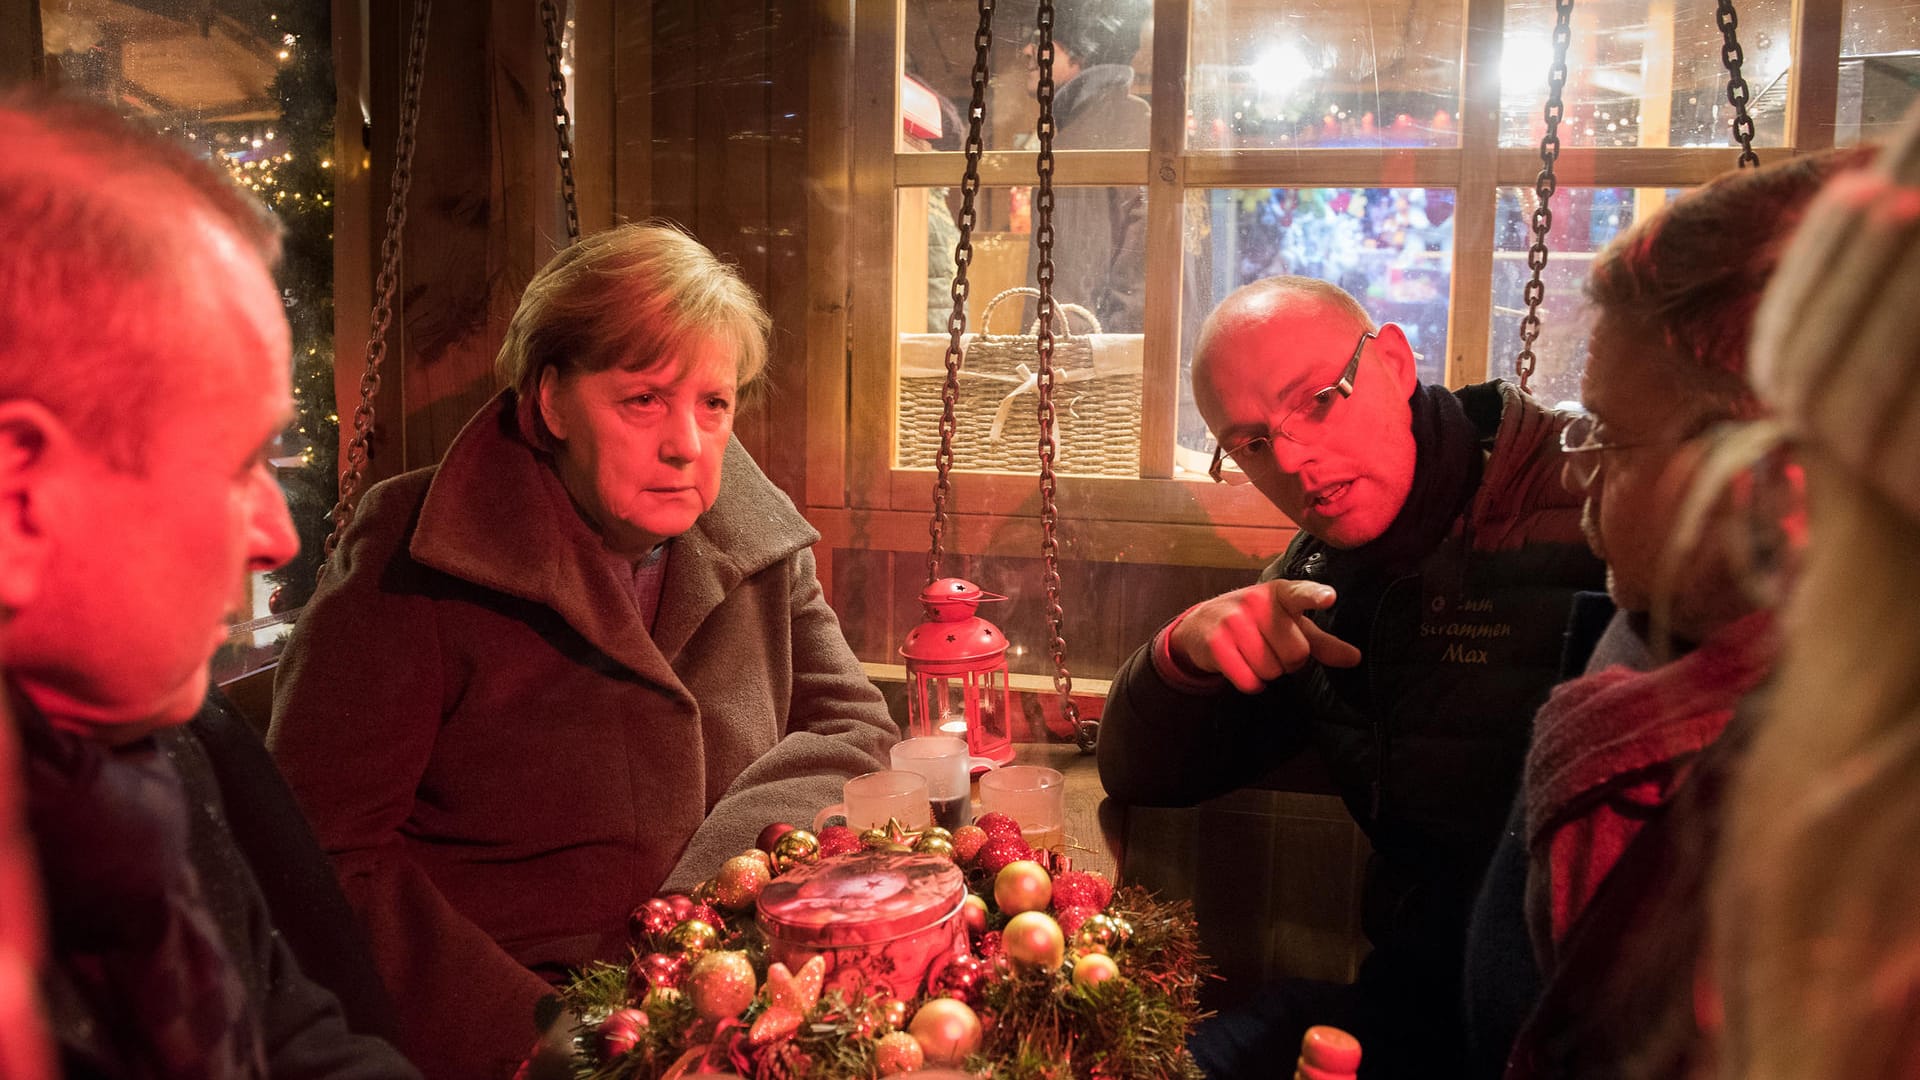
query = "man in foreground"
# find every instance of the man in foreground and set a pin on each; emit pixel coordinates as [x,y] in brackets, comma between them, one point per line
[144,379]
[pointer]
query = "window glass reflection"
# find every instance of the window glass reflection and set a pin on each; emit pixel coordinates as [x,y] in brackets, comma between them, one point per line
[1644,73]
[1103,76]
[1324,73]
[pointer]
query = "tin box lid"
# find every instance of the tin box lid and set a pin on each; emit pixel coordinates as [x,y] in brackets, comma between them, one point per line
[861,899]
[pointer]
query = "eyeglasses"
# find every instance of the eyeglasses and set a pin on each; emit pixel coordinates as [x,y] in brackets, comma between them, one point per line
[1584,439]
[1305,424]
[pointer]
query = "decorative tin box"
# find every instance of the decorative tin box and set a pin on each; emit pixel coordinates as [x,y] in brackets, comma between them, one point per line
[891,919]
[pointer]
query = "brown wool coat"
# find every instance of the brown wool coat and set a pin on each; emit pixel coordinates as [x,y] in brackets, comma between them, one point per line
[502,761]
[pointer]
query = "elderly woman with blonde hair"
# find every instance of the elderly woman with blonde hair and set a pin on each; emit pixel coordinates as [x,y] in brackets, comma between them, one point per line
[582,660]
[1817,899]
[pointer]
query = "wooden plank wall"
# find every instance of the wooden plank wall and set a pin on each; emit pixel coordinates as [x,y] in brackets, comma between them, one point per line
[729,120]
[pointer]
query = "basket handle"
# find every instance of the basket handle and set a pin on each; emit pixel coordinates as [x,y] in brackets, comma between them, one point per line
[986,314]
[1063,310]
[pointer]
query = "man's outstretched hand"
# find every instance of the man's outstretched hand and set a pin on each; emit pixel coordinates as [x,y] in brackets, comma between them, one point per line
[1257,634]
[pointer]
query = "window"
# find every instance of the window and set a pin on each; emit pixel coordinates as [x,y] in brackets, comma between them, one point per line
[250,82]
[1391,148]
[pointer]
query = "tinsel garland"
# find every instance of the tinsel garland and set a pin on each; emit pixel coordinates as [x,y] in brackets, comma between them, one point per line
[1036,1024]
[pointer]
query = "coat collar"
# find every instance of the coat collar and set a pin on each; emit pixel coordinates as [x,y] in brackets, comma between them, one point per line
[497,515]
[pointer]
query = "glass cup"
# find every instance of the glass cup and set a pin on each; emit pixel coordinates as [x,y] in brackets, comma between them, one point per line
[874,797]
[942,760]
[1033,795]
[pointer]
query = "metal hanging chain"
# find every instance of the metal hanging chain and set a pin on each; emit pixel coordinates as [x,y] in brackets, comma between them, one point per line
[1087,733]
[1544,186]
[957,317]
[1737,93]
[562,122]
[385,284]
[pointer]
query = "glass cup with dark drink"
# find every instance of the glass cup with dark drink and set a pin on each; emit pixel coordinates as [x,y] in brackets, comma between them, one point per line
[942,760]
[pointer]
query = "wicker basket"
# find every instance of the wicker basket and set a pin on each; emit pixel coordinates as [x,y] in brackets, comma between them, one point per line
[1096,400]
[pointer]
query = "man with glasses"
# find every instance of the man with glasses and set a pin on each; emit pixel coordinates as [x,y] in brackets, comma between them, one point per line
[1407,635]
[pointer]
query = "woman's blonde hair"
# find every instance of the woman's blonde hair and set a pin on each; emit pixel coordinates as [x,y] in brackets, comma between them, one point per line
[631,296]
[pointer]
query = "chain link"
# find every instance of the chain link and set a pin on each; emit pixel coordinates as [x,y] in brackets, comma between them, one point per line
[1738,95]
[1086,733]
[957,316]
[385,284]
[562,122]
[1544,185]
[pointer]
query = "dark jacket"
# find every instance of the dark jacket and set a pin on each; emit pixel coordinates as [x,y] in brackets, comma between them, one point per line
[1426,737]
[227,770]
[503,760]
[1099,233]
[163,960]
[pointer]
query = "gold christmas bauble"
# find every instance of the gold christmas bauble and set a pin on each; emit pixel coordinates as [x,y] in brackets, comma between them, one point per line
[740,880]
[895,1013]
[1093,967]
[1034,942]
[692,937]
[898,1052]
[934,845]
[871,839]
[935,830]
[947,1030]
[721,984]
[1022,885]
[794,848]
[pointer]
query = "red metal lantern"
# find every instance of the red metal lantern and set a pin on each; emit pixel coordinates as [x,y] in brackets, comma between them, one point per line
[957,671]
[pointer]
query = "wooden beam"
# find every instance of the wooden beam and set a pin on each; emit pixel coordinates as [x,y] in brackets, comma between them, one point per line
[21,42]
[1007,168]
[1166,269]
[1813,93]
[829,192]
[873,388]
[1619,166]
[1354,167]
[1096,498]
[633,111]
[1082,539]
[594,111]
[1470,314]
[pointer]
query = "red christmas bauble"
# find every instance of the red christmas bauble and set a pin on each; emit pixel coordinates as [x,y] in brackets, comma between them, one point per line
[771,835]
[682,905]
[999,852]
[621,1031]
[1072,918]
[963,979]
[661,970]
[650,922]
[998,826]
[967,842]
[1080,888]
[839,840]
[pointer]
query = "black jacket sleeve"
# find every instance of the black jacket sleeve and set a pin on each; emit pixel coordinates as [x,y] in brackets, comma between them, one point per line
[1161,746]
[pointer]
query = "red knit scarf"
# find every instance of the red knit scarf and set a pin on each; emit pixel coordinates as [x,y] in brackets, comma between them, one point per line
[1608,750]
